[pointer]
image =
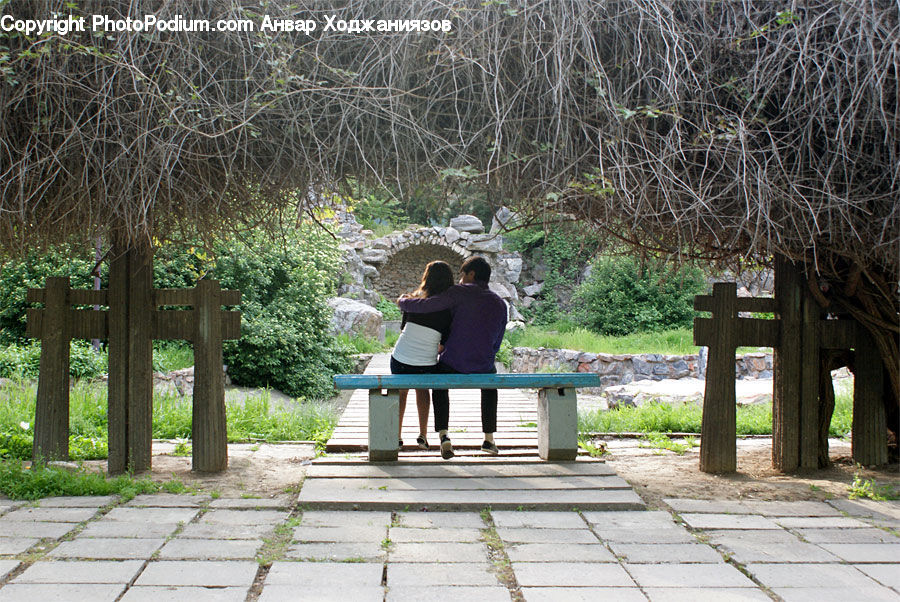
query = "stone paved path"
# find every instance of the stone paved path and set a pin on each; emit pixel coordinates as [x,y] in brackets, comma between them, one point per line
[193,548]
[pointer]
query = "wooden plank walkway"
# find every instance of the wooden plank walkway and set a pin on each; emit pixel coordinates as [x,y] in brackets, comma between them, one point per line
[516,419]
[419,480]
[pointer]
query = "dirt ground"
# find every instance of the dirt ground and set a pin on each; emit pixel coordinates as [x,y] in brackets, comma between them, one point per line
[271,470]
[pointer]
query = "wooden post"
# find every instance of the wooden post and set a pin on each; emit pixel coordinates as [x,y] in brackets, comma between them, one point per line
[51,421]
[786,405]
[130,357]
[869,443]
[210,441]
[809,381]
[718,446]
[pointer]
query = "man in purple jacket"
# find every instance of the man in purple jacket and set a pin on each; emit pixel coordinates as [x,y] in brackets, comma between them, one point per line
[477,328]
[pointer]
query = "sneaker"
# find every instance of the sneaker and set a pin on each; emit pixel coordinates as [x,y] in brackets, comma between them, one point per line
[490,448]
[446,448]
[400,444]
[422,442]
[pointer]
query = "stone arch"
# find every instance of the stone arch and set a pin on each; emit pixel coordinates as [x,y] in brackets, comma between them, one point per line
[403,269]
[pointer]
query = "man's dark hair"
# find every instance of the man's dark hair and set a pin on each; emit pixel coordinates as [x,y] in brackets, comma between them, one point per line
[479,265]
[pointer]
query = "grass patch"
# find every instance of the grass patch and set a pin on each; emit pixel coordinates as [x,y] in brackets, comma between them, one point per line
[664,442]
[256,418]
[21,482]
[687,417]
[868,488]
[358,344]
[668,342]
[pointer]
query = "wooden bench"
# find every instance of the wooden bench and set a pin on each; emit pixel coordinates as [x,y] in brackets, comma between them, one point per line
[557,407]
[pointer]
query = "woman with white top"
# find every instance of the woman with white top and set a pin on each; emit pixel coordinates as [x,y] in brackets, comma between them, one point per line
[421,338]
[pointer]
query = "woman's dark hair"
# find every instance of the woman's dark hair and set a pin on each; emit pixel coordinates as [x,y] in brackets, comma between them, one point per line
[437,277]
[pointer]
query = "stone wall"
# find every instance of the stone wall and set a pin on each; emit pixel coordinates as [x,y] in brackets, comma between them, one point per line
[624,369]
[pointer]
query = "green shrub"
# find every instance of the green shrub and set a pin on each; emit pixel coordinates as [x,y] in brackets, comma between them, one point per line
[284,340]
[24,360]
[622,296]
[389,309]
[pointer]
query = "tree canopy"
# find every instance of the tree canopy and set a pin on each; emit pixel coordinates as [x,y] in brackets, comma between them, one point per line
[722,129]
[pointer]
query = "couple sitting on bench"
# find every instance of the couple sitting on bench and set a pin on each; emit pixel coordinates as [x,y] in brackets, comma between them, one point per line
[450,329]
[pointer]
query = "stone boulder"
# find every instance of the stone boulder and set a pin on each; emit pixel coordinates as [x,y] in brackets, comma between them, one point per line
[467,223]
[485,243]
[356,318]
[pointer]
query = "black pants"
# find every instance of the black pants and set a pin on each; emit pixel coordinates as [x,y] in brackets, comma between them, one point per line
[440,400]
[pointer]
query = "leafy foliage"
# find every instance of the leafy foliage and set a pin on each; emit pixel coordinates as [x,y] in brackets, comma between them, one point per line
[284,341]
[622,296]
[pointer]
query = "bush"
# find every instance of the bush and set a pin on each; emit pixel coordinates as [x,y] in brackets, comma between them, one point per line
[24,361]
[284,340]
[622,296]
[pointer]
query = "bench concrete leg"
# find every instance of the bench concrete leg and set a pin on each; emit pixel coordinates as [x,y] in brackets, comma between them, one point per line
[557,424]
[384,422]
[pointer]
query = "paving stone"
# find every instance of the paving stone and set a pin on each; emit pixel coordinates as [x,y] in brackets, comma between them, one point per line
[801,508]
[653,536]
[366,551]
[809,575]
[79,501]
[220,549]
[571,574]
[746,551]
[152,515]
[38,529]
[865,552]
[244,517]
[402,534]
[728,521]
[340,534]
[886,574]
[889,510]
[441,520]
[438,552]
[16,545]
[835,594]
[511,535]
[50,515]
[537,519]
[156,593]
[6,567]
[324,574]
[688,575]
[551,552]
[869,535]
[445,593]
[420,574]
[8,505]
[279,503]
[119,528]
[56,592]
[757,536]
[102,547]
[322,593]
[215,531]
[681,505]
[345,518]
[654,519]
[168,500]
[582,594]
[817,522]
[665,552]
[693,594]
[76,571]
[218,573]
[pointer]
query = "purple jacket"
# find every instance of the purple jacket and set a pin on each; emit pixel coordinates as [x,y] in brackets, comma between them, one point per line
[478,326]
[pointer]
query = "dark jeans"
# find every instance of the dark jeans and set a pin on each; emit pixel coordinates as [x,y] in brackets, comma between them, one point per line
[440,400]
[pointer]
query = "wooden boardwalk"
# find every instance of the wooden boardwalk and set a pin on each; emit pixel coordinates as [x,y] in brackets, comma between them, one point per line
[516,479]
[516,419]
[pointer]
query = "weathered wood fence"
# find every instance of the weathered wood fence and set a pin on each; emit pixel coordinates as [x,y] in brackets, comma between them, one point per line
[130,411]
[800,335]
